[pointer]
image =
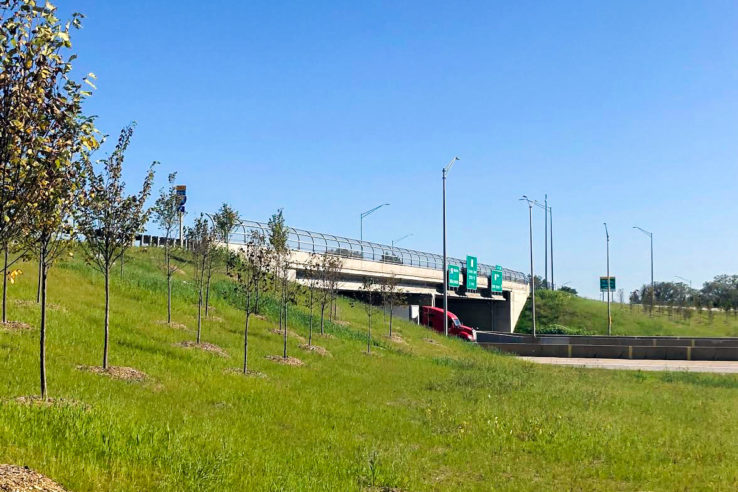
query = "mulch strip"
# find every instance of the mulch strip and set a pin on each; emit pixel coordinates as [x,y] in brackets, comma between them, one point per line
[289,361]
[49,305]
[315,348]
[396,339]
[15,326]
[22,479]
[176,326]
[249,373]
[290,334]
[37,401]
[207,347]
[116,372]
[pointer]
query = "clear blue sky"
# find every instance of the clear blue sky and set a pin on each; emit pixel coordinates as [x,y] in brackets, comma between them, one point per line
[625,112]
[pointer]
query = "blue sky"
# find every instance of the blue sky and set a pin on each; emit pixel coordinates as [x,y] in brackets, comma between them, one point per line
[624,112]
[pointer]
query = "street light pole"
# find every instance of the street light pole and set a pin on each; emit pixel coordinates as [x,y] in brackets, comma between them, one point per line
[650,235]
[551,232]
[609,314]
[549,229]
[532,277]
[400,239]
[364,214]
[545,243]
[445,259]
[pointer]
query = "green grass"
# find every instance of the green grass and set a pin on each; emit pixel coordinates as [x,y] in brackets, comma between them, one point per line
[412,416]
[560,312]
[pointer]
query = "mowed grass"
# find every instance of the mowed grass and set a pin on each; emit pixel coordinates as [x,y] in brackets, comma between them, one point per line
[412,416]
[588,316]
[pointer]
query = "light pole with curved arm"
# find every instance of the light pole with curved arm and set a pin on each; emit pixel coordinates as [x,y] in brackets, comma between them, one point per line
[650,235]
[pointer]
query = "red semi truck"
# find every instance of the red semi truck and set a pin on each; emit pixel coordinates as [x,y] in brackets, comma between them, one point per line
[433,317]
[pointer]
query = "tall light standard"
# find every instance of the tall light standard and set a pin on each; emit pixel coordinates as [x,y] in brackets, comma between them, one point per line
[609,315]
[547,211]
[532,277]
[650,235]
[551,232]
[395,241]
[685,279]
[364,214]
[445,260]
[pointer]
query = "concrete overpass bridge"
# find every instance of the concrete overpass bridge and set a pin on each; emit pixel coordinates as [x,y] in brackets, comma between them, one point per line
[419,276]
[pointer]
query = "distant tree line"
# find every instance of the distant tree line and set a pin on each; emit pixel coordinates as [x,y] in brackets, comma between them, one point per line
[719,293]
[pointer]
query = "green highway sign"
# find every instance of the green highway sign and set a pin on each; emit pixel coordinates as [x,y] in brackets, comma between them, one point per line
[495,279]
[454,274]
[603,284]
[471,272]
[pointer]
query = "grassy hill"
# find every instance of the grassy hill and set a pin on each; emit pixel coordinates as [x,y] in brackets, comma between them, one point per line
[424,413]
[563,312]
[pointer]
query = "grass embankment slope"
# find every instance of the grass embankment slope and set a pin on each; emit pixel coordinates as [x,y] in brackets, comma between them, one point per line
[565,313]
[413,416]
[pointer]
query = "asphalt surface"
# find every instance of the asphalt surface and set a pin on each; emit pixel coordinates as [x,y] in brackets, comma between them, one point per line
[722,367]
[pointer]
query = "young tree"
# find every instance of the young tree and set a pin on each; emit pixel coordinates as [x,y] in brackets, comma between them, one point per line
[226,218]
[278,234]
[368,288]
[312,274]
[109,219]
[34,90]
[328,273]
[166,215]
[202,239]
[251,267]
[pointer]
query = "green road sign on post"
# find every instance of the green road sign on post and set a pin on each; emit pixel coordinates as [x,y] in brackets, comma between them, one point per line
[603,284]
[454,274]
[471,272]
[495,279]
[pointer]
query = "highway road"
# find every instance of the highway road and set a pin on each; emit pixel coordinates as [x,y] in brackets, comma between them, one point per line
[721,367]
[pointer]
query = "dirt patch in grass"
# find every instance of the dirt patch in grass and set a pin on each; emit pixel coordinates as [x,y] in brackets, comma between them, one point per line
[207,347]
[15,326]
[431,341]
[49,305]
[396,339]
[289,361]
[23,479]
[176,326]
[249,373]
[259,316]
[217,319]
[323,335]
[116,372]
[37,401]
[315,348]
[341,323]
[290,334]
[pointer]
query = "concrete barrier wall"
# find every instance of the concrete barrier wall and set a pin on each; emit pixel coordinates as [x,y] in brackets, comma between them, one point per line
[617,351]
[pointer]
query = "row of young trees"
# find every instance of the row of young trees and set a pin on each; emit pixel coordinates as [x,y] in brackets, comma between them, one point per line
[718,293]
[262,265]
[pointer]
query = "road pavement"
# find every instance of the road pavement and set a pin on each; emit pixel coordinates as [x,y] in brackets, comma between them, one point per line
[722,367]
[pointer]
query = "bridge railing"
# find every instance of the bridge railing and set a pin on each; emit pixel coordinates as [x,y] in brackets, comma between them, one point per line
[317,242]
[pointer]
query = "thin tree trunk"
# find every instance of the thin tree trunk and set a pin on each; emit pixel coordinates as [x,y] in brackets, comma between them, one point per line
[122,257]
[310,336]
[322,317]
[199,313]
[285,328]
[390,316]
[369,337]
[169,289]
[38,286]
[43,330]
[5,284]
[107,316]
[246,335]
[207,297]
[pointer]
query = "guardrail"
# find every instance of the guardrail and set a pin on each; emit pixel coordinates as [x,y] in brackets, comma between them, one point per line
[316,242]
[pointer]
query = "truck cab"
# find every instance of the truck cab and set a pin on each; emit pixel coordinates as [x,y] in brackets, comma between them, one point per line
[433,317]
